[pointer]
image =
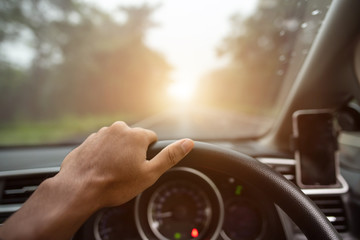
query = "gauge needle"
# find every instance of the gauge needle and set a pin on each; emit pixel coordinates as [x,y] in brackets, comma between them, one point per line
[164,215]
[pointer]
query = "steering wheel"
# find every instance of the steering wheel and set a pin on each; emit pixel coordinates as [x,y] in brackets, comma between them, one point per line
[279,190]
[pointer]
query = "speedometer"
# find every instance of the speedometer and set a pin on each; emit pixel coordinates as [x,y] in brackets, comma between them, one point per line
[179,210]
[183,204]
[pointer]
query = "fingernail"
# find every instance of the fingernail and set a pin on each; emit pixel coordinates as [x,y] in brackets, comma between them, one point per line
[187,145]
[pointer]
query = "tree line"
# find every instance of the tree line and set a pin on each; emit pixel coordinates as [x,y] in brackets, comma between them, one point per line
[85,61]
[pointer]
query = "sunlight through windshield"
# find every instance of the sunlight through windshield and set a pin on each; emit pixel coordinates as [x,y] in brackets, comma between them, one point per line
[200,69]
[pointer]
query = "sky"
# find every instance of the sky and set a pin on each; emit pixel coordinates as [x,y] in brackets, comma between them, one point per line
[188,34]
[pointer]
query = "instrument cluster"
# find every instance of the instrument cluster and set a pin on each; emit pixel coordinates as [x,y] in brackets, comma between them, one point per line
[186,203]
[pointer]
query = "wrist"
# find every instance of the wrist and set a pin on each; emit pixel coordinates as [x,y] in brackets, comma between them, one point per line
[67,206]
[69,203]
[73,193]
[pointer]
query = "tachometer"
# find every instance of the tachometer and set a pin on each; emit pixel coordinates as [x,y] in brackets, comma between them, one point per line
[116,223]
[242,222]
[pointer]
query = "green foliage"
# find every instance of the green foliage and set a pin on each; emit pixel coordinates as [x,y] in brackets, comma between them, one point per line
[12,83]
[65,129]
[85,63]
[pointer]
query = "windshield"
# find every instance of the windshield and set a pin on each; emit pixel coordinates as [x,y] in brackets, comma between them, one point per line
[199,69]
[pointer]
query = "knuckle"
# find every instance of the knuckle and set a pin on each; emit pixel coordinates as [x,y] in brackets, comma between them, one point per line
[137,135]
[138,129]
[92,135]
[89,138]
[141,135]
[137,132]
[118,126]
[102,129]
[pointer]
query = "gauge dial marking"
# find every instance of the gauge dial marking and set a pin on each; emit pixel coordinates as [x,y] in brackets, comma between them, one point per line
[164,215]
[182,205]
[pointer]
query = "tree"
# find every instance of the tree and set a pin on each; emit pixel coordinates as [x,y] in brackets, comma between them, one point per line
[85,62]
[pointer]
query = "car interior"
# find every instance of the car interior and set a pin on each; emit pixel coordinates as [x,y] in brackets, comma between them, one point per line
[294,173]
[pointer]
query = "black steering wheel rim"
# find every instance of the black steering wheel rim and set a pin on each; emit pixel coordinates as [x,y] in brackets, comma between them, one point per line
[282,192]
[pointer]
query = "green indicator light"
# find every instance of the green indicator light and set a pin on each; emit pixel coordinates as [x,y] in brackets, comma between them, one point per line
[238,190]
[177,235]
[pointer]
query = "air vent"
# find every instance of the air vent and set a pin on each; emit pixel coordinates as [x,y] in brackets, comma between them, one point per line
[18,189]
[286,167]
[288,171]
[4,216]
[333,208]
[331,205]
[17,186]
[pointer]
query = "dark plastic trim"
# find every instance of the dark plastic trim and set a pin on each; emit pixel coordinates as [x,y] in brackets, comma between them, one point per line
[282,192]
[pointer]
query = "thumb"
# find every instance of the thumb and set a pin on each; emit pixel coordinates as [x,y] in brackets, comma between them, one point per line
[171,155]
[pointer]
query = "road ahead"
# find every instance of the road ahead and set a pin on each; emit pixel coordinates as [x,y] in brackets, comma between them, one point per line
[204,123]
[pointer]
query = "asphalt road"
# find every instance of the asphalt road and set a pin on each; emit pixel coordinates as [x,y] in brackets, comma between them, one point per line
[204,123]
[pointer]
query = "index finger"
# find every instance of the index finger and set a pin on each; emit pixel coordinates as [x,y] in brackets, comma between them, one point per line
[148,135]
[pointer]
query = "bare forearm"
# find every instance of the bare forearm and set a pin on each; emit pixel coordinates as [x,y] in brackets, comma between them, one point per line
[54,211]
[108,169]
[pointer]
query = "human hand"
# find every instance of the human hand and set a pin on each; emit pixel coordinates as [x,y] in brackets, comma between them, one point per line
[107,169]
[112,163]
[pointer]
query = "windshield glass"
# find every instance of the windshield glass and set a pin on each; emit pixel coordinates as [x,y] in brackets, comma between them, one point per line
[199,69]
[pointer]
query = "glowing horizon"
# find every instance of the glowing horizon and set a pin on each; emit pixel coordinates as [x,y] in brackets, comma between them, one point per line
[188,36]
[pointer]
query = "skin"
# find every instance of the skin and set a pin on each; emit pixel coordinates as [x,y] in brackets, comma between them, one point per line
[108,169]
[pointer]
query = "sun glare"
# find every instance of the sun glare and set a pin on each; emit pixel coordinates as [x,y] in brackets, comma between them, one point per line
[181,91]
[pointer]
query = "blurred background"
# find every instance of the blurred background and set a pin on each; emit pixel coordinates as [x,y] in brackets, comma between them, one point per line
[68,67]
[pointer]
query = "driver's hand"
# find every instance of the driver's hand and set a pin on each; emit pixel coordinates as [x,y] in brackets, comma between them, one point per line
[112,163]
[108,169]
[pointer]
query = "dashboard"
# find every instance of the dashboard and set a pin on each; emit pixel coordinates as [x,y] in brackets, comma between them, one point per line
[188,203]
[185,203]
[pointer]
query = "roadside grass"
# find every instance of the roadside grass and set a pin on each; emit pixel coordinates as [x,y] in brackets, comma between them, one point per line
[61,130]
